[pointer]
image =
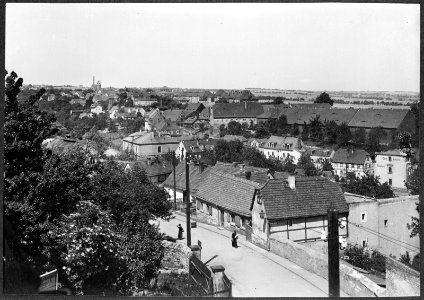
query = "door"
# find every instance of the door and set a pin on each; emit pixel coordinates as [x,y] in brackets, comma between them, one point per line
[222,217]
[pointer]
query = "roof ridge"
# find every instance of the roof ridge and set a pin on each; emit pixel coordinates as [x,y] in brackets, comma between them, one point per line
[234,178]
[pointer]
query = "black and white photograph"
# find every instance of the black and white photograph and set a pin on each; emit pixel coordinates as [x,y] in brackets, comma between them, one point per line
[211,149]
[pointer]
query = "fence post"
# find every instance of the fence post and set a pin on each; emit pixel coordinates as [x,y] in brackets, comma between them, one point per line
[218,280]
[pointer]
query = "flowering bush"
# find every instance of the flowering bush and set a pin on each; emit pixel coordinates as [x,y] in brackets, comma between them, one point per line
[90,254]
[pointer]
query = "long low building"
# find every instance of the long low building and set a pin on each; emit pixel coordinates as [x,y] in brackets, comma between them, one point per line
[366,118]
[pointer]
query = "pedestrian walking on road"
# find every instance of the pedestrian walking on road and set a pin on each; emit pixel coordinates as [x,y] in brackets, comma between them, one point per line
[180,232]
[234,238]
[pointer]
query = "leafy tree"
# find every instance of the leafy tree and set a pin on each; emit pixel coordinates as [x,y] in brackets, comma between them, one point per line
[305,132]
[89,102]
[413,182]
[415,225]
[344,135]
[281,124]
[324,98]
[367,185]
[373,142]
[330,131]
[234,128]
[261,131]
[327,166]
[288,165]
[405,142]
[294,130]
[278,100]
[359,136]
[305,163]
[315,126]
[89,242]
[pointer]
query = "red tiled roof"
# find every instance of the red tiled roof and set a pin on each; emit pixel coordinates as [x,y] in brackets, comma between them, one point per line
[313,196]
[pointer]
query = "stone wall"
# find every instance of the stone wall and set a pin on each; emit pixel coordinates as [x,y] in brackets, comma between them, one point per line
[176,257]
[319,246]
[401,280]
[351,282]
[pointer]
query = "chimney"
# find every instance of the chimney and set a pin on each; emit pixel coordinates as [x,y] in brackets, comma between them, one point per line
[292,182]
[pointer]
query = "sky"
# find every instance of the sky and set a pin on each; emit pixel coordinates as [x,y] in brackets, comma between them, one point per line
[320,46]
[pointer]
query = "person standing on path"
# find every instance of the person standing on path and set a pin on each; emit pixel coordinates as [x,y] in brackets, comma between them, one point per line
[234,238]
[180,232]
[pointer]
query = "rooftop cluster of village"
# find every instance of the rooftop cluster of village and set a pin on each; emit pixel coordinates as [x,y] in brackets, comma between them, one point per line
[266,163]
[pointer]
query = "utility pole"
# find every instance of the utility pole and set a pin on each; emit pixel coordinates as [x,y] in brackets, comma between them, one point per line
[188,199]
[333,254]
[175,184]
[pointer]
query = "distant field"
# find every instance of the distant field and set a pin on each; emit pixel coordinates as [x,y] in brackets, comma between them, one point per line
[348,105]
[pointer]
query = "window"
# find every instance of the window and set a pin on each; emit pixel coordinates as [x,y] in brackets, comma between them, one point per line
[390,170]
[364,243]
[232,218]
[210,210]
[159,149]
[390,181]
[390,158]
[386,223]
[363,217]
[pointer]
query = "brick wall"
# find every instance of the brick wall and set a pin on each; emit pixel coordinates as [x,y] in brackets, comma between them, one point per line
[351,282]
[401,280]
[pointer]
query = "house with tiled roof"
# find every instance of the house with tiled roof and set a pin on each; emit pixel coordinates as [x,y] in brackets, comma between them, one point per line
[149,144]
[295,209]
[195,146]
[394,167]
[173,115]
[281,147]
[223,199]
[350,160]
[319,155]
[246,112]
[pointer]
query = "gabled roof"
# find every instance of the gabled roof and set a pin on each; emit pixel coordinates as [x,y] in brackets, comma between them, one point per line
[191,108]
[313,196]
[227,191]
[371,118]
[280,141]
[347,156]
[172,114]
[156,168]
[339,115]
[318,151]
[237,110]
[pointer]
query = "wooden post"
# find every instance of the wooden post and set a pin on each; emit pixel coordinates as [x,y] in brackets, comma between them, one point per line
[175,184]
[188,200]
[333,254]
